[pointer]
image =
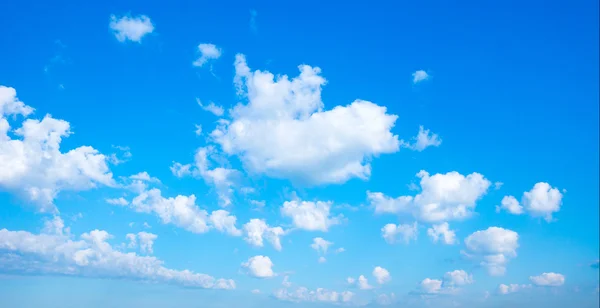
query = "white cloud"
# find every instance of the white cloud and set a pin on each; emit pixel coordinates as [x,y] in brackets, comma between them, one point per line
[442,232]
[381,275]
[224,222]
[443,197]
[541,201]
[222,179]
[286,282]
[320,245]
[91,256]
[207,53]
[322,260]
[431,286]
[256,229]
[340,250]
[512,288]
[406,232]
[130,28]
[146,241]
[423,140]
[32,165]
[299,140]
[144,176]
[212,108]
[198,130]
[259,267]
[511,205]
[498,185]
[117,201]
[303,294]
[548,280]
[458,278]
[311,216]
[363,283]
[419,76]
[495,246]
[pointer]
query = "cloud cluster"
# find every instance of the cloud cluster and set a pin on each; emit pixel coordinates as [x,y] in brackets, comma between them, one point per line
[541,201]
[57,252]
[32,164]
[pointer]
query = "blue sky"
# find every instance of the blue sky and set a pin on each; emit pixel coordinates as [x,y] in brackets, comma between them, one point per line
[259,154]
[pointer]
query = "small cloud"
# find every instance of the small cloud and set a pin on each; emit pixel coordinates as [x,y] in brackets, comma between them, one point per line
[212,108]
[322,260]
[198,130]
[424,139]
[498,185]
[255,291]
[419,76]
[207,53]
[131,28]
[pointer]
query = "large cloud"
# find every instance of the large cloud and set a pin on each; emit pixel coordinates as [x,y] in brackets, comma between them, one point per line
[494,246]
[443,197]
[283,130]
[58,252]
[33,166]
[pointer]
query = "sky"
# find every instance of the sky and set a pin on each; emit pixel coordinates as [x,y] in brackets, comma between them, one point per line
[306,154]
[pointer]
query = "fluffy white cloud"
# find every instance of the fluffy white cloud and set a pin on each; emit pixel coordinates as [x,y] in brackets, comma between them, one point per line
[130,28]
[443,197]
[442,232]
[146,241]
[512,288]
[458,278]
[257,229]
[511,205]
[222,179]
[259,267]
[224,222]
[419,76]
[91,256]
[303,294]
[381,275]
[423,140]
[363,283]
[32,165]
[495,246]
[299,140]
[311,216]
[404,232]
[320,245]
[207,53]
[541,201]
[548,280]
[212,108]
[431,286]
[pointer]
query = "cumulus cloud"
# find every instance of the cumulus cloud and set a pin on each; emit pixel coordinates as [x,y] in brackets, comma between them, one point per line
[541,201]
[259,267]
[257,229]
[145,239]
[443,197]
[208,52]
[130,28]
[381,275]
[419,76]
[423,140]
[363,283]
[299,140]
[32,165]
[458,278]
[442,233]
[548,280]
[320,245]
[399,233]
[504,289]
[310,216]
[225,222]
[22,252]
[303,294]
[495,247]
[222,179]
[431,286]
[212,108]
[450,284]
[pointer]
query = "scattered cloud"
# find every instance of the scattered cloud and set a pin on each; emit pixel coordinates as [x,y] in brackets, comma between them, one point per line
[131,28]
[442,233]
[494,246]
[257,229]
[308,215]
[423,140]
[443,197]
[381,275]
[208,52]
[548,280]
[212,108]
[259,267]
[419,76]
[541,201]
[504,289]
[399,233]
[458,278]
[320,245]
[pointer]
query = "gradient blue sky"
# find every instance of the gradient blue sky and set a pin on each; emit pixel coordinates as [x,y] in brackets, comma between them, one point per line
[509,93]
